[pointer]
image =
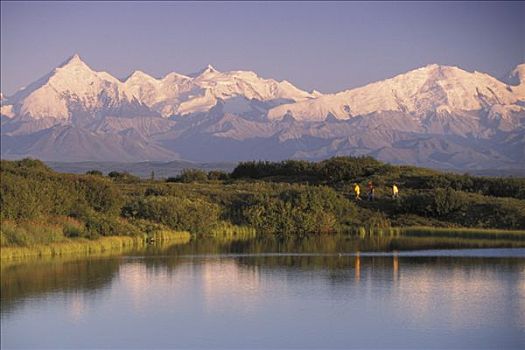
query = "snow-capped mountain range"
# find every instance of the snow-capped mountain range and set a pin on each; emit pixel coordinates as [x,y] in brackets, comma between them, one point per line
[74,86]
[437,116]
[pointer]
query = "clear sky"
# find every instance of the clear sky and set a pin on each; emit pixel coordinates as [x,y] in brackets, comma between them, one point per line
[329,46]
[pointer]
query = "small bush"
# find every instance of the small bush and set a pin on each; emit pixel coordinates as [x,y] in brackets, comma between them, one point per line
[193,215]
[192,175]
[94,173]
[217,175]
[299,211]
[124,177]
[435,203]
[156,191]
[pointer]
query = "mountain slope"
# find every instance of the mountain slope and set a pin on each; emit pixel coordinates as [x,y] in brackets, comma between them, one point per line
[69,144]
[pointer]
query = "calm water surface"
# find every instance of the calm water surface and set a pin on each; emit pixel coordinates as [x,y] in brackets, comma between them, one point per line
[268,295]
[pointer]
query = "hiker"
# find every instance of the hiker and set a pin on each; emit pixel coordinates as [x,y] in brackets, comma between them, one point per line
[371,191]
[357,192]
[395,191]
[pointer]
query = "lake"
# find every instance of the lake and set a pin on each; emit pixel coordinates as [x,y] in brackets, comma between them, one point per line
[312,293]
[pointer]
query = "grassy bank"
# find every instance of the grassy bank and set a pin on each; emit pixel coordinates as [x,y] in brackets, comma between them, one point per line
[85,247]
[441,232]
[440,242]
[464,233]
[226,231]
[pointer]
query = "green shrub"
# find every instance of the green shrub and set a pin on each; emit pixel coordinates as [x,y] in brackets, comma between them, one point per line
[71,227]
[94,173]
[182,214]
[156,191]
[100,194]
[98,224]
[192,175]
[124,177]
[217,175]
[299,211]
[349,168]
[435,203]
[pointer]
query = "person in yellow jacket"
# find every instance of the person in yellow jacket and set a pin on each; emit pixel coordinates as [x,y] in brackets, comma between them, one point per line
[395,191]
[357,192]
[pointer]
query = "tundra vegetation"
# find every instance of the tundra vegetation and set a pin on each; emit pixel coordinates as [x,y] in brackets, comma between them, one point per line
[285,199]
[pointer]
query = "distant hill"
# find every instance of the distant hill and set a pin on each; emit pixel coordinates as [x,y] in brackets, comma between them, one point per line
[141,169]
[174,168]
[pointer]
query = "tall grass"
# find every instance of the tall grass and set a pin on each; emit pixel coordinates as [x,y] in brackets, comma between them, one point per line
[169,236]
[469,233]
[440,232]
[435,242]
[78,246]
[376,231]
[85,247]
[228,231]
[61,235]
[30,233]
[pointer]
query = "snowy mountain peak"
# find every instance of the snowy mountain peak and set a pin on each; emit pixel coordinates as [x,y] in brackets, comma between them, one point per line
[139,75]
[209,70]
[430,67]
[73,68]
[315,93]
[74,60]
[174,76]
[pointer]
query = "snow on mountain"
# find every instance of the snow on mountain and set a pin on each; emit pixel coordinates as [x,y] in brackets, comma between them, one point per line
[199,92]
[517,78]
[249,85]
[6,109]
[73,89]
[436,116]
[519,72]
[434,88]
[162,95]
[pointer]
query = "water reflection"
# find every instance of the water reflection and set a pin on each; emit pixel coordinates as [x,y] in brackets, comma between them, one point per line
[20,281]
[200,295]
[77,307]
[395,266]
[357,267]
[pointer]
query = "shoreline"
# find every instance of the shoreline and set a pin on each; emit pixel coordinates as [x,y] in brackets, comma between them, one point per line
[121,244]
[86,247]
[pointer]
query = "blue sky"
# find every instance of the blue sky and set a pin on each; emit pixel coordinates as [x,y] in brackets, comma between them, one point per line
[329,46]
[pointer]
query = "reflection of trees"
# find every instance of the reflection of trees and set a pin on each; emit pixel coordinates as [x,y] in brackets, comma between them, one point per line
[21,281]
[296,255]
[325,244]
[323,252]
